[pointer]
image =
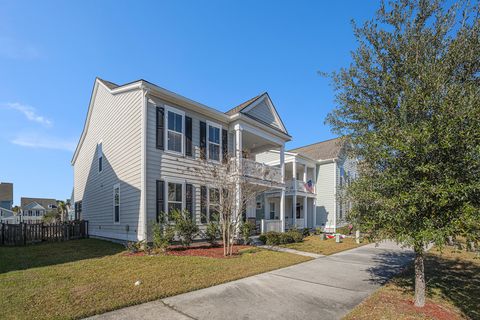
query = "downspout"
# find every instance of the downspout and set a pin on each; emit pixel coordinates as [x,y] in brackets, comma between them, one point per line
[143,174]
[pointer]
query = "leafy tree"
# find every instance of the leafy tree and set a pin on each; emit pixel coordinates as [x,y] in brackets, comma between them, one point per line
[409,107]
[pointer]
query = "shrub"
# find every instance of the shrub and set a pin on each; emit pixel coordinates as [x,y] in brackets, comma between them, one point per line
[295,235]
[185,227]
[263,238]
[272,238]
[306,232]
[212,232]
[163,235]
[246,230]
[135,246]
[318,230]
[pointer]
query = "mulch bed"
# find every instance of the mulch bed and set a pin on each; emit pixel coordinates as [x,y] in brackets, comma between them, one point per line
[196,250]
[203,251]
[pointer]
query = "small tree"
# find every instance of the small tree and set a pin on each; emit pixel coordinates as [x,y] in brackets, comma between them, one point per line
[235,192]
[62,210]
[409,107]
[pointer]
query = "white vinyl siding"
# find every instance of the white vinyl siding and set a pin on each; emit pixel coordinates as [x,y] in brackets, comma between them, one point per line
[263,112]
[174,167]
[325,209]
[121,148]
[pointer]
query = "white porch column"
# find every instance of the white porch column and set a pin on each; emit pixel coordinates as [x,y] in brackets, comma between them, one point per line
[282,196]
[314,212]
[238,154]
[305,212]
[305,173]
[294,205]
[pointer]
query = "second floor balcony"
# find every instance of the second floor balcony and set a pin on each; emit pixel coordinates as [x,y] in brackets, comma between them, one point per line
[257,170]
[294,185]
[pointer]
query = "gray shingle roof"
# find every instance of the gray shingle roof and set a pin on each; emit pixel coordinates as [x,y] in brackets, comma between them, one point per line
[41,201]
[242,106]
[329,149]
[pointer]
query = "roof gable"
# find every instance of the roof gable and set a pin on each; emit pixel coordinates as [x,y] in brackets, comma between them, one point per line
[33,206]
[260,108]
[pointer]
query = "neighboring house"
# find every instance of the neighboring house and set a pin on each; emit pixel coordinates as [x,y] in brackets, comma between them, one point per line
[139,141]
[6,195]
[32,210]
[8,216]
[315,179]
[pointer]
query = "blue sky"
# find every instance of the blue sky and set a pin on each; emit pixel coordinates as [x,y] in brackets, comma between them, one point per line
[219,53]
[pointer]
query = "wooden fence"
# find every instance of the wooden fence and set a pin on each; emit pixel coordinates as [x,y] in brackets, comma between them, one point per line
[24,233]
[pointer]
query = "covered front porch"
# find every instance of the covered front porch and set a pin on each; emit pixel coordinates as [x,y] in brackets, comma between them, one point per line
[298,209]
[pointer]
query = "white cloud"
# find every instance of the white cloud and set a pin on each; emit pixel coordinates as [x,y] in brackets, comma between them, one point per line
[44,142]
[29,112]
[14,49]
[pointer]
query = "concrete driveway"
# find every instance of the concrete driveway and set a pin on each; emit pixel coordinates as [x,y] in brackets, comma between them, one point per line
[324,288]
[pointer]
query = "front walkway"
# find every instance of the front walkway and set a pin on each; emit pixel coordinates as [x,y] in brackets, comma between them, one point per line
[324,288]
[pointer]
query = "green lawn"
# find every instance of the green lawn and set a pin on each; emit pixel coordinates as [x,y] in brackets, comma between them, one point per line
[453,291]
[313,244]
[80,278]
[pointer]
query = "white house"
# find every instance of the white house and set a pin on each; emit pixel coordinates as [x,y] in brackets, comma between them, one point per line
[139,139]
[315,176]
[32,210]
[8,216]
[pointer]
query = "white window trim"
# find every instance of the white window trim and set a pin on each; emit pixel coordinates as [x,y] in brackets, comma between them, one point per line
[165,135]
[220,155]
[208,201]
[165,195]
[115,186]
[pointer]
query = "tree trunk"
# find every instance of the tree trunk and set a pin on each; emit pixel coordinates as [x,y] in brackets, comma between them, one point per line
[419,277]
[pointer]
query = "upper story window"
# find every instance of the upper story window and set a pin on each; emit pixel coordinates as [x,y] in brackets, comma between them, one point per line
[175,130]
[100,157]
[214,141]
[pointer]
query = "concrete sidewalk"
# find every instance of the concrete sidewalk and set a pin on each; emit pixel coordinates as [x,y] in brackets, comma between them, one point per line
[324,288]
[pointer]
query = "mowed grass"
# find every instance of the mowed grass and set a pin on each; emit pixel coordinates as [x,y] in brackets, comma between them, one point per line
[314,244]
[80,278]
[453,291]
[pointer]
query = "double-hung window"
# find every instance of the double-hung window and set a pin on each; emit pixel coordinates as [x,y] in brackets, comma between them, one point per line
[175,130]
[116,203]
[214,141]
[174,197]
[213,204]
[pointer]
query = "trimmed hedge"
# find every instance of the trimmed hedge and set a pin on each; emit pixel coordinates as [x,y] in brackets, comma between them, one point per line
[273,238]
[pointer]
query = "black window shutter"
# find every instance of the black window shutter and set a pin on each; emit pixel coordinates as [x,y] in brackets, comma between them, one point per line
[160,199]
[203,204]
[203,140]
[160,127]
[189,200]
[224,145]
[188,136]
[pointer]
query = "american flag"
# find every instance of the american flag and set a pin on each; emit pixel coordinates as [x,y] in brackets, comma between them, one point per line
[309,186]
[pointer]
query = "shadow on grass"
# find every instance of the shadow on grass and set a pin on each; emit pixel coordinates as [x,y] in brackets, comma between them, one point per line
[52,253]
[452,277]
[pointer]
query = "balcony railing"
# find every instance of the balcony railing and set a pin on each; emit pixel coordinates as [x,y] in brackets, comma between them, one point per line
[298,185]
[257,170]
